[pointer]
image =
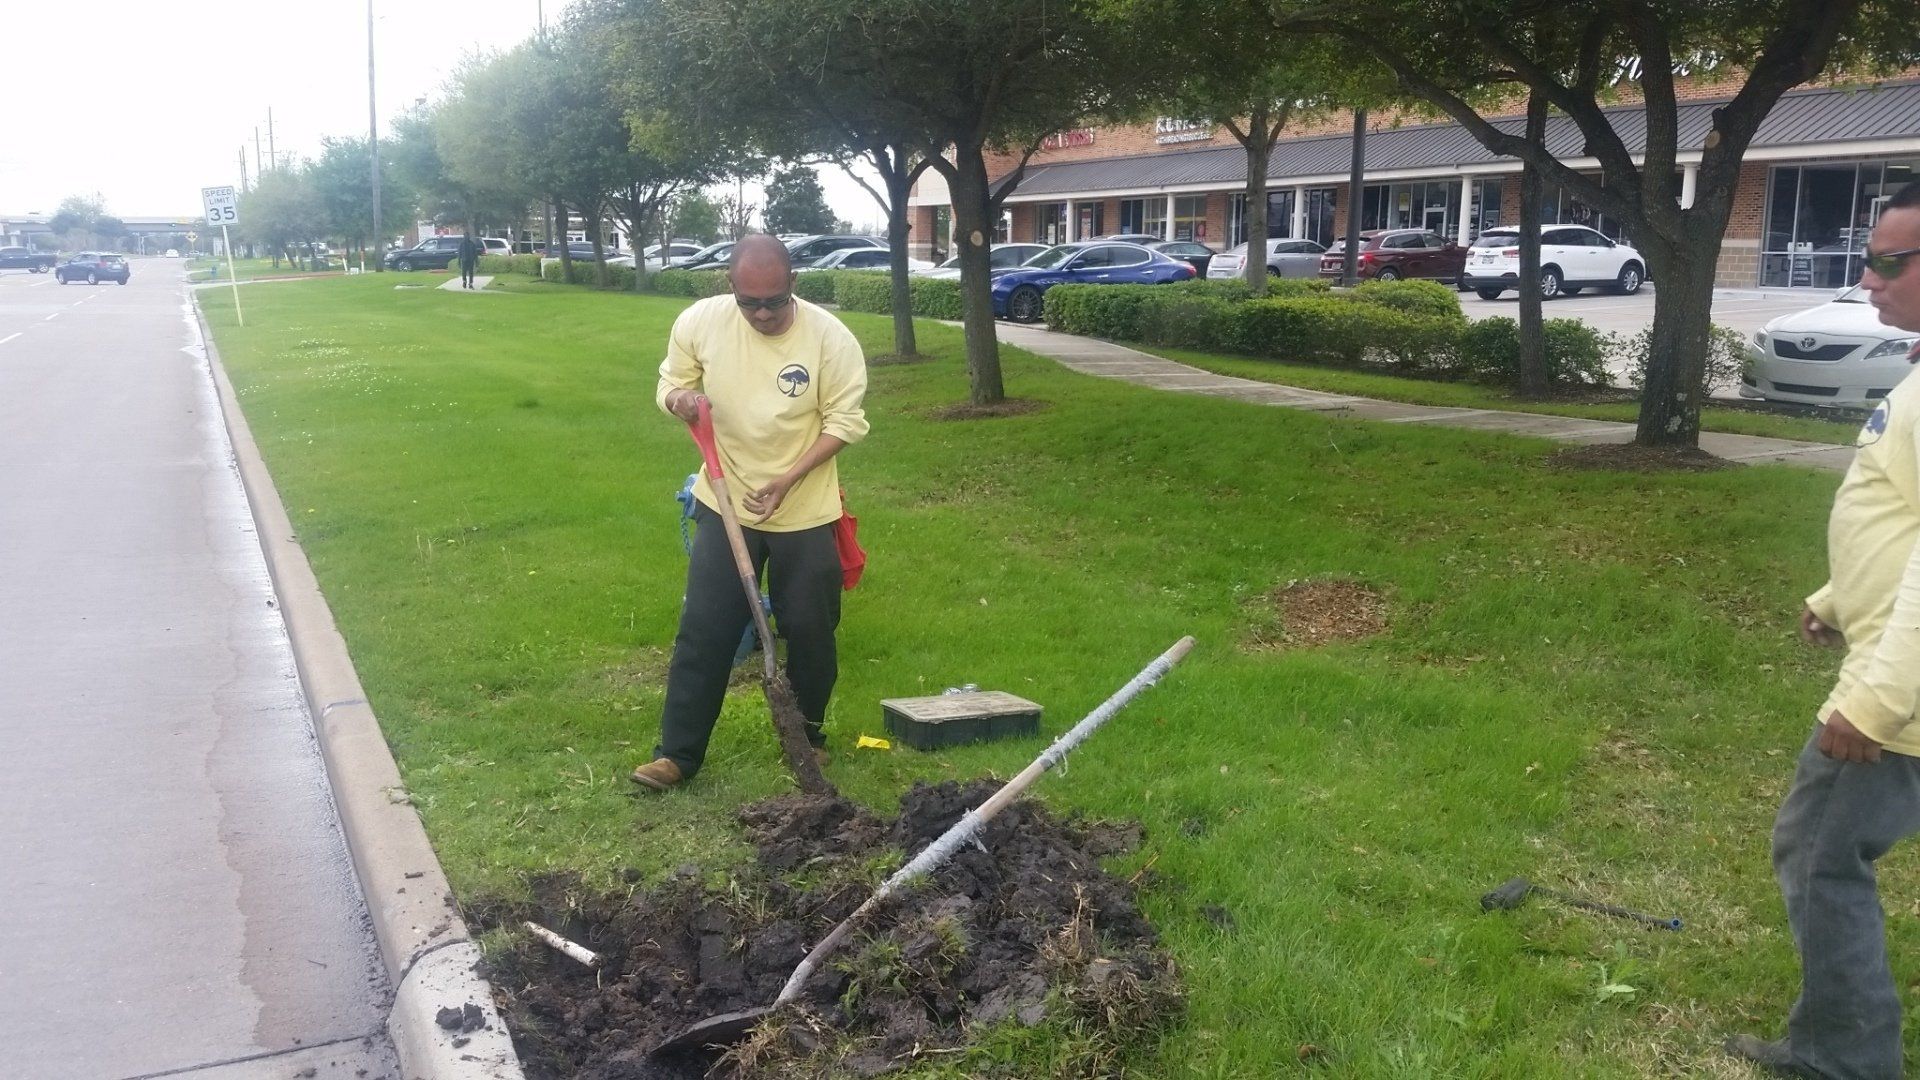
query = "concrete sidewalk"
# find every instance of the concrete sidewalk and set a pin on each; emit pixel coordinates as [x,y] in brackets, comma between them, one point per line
[1092,356]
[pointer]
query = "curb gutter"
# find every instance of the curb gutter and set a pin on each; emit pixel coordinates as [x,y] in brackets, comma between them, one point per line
[430,958]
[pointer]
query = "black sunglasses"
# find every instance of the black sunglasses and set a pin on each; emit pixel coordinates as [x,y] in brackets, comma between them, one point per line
[1890,264]
[771,303]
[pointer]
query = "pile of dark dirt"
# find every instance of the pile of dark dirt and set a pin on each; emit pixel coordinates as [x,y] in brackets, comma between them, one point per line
[1029,930]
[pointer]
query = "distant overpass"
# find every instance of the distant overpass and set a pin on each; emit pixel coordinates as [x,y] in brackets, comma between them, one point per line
[30,230]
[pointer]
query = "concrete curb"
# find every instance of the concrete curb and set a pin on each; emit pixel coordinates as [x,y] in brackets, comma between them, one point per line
[429,956]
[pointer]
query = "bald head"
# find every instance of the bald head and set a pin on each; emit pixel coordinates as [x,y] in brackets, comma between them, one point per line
[758,251]
[761,273]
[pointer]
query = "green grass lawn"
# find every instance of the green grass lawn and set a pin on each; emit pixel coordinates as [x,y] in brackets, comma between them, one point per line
[1589,679]
[1387,387]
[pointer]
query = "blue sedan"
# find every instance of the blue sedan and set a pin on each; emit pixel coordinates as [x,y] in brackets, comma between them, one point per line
[1017,294]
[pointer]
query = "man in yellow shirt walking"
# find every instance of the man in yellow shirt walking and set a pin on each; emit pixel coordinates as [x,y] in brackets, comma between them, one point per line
[1856,791]
[785,381]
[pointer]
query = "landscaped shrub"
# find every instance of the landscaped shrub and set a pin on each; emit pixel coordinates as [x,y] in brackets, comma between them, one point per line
[694,283]
[1230,289]
[1323,329]
[1726,357]
[862,291]
[1285,287]
[935,298]
[815,287]
[1413,297]
[1576,353]
[510,264]
[1186,320]
[1108,311]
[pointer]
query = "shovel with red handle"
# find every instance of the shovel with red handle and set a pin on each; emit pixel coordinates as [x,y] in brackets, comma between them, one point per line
[788,722]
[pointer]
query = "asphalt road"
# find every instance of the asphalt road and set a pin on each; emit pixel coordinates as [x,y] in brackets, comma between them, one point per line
[175,893]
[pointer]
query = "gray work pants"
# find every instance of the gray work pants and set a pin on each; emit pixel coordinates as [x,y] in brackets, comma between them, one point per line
[1839,819]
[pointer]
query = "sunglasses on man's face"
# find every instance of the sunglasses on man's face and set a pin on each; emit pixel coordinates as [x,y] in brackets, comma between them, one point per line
[1890,264]
[771,303]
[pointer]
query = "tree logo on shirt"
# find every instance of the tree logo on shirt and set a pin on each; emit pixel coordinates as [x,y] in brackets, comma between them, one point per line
[793,380]
[1876,425]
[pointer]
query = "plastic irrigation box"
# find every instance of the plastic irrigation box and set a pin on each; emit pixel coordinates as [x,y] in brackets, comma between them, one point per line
[929,723]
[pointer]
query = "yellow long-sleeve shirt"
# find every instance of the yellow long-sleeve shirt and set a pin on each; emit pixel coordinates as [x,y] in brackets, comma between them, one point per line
[1872,593]
[772,398]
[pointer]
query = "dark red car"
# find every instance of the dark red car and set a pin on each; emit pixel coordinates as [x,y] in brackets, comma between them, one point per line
[1389,254]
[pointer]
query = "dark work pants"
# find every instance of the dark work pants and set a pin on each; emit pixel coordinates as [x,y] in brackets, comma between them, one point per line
[1836,822]
[802,570]
[466,275]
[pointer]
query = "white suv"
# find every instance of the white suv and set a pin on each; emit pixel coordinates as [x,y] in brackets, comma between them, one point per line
[1572,257]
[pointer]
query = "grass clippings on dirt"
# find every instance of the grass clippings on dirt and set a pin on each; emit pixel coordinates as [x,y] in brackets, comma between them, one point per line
[1308,614]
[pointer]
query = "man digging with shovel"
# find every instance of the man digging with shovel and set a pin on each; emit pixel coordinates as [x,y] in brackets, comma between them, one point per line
[784,381]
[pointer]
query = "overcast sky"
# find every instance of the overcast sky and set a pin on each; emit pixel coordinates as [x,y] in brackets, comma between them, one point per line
[148,101]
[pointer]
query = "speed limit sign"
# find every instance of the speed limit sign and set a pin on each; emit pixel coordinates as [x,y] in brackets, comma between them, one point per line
[222,206]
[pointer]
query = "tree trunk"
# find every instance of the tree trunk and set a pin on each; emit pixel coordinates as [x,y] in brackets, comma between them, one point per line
[899,229]
[1356,175]
[595,233]
[1258,149]
[972,211]
[1532,372]
[1677,347]
[566,253]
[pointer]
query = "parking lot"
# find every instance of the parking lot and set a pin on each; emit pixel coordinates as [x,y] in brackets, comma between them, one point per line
[1745,310]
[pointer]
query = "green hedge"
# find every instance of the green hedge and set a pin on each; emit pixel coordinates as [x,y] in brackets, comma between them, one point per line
[694,283]
[510,264]
[1412,297]
[817,286]
[863,291]
[1576,353]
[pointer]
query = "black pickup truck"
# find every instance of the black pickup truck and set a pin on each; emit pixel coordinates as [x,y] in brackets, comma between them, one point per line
[19,258]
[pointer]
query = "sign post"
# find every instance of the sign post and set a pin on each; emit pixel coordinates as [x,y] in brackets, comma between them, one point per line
[223,210]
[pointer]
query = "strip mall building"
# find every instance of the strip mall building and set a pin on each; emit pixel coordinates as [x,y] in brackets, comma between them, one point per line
[1810,188]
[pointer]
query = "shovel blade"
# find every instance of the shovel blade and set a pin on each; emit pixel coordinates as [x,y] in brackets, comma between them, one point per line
[715,1031]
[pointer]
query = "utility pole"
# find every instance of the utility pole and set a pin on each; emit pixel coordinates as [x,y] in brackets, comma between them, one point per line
[259,163]
[272,154]
[373,154]
[1356,175]
[243,167]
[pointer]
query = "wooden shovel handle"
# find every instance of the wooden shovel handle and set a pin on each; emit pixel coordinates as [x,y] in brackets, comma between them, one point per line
[743,562]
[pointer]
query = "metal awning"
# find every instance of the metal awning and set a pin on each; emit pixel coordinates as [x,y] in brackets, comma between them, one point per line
[1819,117]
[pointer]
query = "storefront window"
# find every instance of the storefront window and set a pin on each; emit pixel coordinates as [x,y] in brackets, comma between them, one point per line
[1190,218]
[1155,221]
[1320,214]
[1426,204]
[1050,223]
[1486,206]
[1819,218]
[1133,215]
[1090,216]
[1279,216]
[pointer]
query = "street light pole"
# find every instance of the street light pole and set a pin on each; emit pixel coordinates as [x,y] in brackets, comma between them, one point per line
[373,152]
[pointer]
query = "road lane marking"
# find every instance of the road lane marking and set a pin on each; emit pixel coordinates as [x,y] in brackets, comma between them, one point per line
[51,317]
[9,337]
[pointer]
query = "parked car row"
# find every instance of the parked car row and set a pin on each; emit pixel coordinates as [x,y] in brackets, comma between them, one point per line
[441,252]
[1019,293]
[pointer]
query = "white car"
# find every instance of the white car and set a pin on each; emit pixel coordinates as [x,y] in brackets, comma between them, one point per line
[1839,353]
[172,253]
[494,245]
[1000,259]
[1572,257]
[1286,257]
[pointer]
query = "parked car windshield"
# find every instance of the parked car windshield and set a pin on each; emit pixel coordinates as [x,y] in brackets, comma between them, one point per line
[1052,257]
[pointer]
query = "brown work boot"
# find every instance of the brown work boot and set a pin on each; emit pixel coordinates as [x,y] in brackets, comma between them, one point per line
[658,774]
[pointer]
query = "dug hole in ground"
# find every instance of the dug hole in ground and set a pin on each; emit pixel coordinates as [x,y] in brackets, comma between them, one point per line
[1027,930]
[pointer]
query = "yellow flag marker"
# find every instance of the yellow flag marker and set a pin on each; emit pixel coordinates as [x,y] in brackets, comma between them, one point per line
[868,742]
